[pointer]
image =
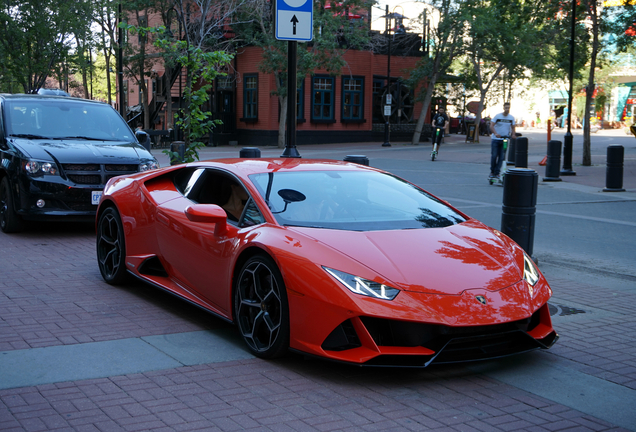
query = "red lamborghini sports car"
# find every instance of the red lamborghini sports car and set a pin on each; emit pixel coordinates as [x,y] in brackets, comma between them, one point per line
[326,258]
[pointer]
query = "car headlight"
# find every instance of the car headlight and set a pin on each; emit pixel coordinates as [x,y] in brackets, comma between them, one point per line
[38,168]
[147,166]
[530,273]
[362,286]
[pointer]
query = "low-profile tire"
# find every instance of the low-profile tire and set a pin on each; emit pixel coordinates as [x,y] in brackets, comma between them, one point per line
[261,310]
[10,221]
[111,247]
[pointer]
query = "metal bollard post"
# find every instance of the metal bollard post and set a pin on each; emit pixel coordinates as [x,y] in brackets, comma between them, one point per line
[614,169]
[359,159]
[250,152]
[519,206]
[512,152]
[521,153]
[179,148]
[552,169]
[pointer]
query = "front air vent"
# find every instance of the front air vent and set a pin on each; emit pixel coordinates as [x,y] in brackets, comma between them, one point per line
[152,267]
[343,337]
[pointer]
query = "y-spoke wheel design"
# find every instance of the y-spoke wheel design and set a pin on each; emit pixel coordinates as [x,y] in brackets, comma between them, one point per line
[10,221]
[260,307]
[111,248]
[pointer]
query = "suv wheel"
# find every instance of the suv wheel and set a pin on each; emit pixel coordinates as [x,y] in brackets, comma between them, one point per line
[10,221]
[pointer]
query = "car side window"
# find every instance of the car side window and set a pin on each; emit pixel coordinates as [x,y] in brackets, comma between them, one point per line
[214,187]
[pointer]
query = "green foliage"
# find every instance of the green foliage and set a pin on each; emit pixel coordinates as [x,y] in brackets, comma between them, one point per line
[35,37]
[202,68]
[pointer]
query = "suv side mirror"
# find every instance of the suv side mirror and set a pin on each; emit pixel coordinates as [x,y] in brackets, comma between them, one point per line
[143,138]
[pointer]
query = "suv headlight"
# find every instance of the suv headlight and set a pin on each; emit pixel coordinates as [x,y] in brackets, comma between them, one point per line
[38,168]
[148,165]
[362,286]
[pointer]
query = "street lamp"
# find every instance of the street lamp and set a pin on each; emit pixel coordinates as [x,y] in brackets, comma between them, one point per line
[567,140]
[388,96]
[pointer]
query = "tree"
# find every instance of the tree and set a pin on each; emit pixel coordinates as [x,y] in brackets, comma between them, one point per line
[447,44]
[106,39]
[202,54]
[509,38]
[593,14]
[334,33]
[35,36]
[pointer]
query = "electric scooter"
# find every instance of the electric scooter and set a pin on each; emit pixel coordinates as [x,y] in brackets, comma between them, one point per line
[438,137]
[500,180]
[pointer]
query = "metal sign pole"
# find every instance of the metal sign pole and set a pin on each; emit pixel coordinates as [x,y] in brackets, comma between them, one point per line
[290,137]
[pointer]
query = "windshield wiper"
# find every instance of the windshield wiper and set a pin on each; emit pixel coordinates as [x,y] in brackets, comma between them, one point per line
[29,136]
[79,137]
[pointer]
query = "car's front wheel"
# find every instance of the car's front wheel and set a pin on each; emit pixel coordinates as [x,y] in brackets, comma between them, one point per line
[10,221]
[111,247]
[261,309]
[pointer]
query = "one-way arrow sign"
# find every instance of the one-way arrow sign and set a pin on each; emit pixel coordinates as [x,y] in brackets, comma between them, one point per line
[294,20]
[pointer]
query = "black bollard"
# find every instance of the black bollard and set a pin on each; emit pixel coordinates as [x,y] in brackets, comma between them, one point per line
[614,169]
[519,206]
[512,152]
[359,159]
[179,148]
[250,152]
[552,169]
[521,153]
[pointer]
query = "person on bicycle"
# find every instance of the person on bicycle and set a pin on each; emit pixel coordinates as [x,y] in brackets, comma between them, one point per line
[439,121]
[501,126]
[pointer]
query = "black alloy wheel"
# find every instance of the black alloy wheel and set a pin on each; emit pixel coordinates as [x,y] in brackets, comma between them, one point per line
[261,309]
[10,221]
[111,247]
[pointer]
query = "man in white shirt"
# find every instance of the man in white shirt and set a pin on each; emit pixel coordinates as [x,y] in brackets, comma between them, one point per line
[502,126]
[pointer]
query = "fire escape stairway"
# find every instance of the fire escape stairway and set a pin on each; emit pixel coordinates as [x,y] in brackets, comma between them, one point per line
[164,91]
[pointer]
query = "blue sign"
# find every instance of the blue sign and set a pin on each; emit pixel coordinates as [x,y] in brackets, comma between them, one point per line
[294,20]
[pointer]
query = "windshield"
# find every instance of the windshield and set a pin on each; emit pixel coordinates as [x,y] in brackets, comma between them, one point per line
[65,119]
[351,200]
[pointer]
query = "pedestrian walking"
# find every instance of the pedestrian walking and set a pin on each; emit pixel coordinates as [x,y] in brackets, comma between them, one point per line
[502,126]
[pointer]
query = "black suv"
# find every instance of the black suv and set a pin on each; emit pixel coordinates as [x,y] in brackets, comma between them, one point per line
[56,155]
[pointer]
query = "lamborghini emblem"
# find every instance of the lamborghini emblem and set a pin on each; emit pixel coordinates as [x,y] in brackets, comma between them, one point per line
[481,299]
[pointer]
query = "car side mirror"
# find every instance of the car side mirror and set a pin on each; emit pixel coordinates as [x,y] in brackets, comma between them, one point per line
[143,138]
[208,213]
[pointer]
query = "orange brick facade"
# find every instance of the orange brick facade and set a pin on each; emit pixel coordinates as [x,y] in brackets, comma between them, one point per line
[360,64]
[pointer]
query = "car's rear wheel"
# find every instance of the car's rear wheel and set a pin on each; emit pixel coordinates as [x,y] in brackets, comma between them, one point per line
[111,247]
[261,309]
[10,221]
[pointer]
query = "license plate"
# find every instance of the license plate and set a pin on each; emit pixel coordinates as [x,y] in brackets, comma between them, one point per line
[95,197]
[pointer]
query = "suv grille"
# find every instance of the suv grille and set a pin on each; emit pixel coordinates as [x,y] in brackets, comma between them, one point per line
[95,174]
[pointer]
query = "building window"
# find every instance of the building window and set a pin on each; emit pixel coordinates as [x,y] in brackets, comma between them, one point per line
[250,98]
[352,99]
[322,99]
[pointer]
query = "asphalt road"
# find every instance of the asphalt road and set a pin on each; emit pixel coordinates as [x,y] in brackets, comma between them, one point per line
[78,354]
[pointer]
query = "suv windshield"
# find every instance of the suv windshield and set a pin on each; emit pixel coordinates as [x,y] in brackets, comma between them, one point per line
[64,119]
[351,200]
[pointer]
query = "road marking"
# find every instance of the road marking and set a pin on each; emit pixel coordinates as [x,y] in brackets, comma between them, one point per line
[568,215]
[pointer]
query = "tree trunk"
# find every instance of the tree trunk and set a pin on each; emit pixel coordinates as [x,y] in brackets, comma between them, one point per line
[427,102]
